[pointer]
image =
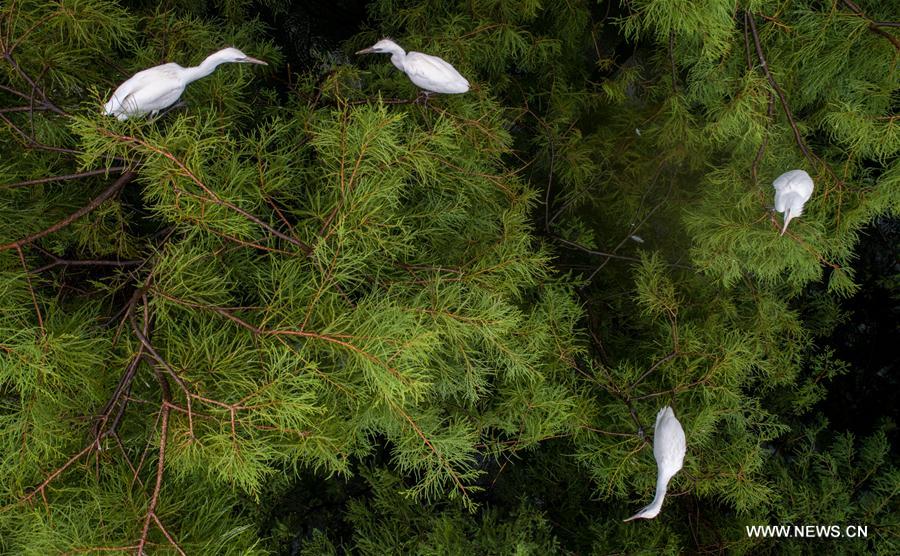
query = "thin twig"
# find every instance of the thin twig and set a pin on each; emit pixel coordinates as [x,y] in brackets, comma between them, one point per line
[79,175]
[784,104]
[874,25]
[212,197]
[95,202]
[161,460]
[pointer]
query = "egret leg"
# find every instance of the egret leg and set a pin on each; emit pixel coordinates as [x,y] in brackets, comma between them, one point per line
[179,104]
[423,98]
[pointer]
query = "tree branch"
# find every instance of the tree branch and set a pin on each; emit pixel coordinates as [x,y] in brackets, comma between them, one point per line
[874,25]
[79,175]
[784,104]
[45,102]
[93,204]
[212,197]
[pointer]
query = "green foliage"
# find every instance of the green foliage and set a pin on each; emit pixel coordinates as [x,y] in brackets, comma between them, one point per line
[317,317]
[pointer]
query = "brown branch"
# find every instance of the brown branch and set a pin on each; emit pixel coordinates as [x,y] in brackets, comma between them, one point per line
[160,462]
[215,199]
[45,102]
[652,368]
[21,109]
[12,91]
[258,331]
[762,147]
[98,430]
[95,202]
[32,142]
[168,536]
[84,262]
[579,247]
[874,25]
[784,104]
[37,309]
[40,488]
[79,175]
[383,101]
[453,475]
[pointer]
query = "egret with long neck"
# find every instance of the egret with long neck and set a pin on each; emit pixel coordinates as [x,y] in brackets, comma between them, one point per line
[669,447]
[159,87]
[429,73]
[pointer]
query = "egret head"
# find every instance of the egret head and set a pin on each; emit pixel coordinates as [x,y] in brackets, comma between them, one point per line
[234,55]
[384,46]
[648,512]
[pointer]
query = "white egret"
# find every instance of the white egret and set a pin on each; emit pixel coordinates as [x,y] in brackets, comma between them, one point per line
[151,90]
[669,448]
[430,73]
[792,190]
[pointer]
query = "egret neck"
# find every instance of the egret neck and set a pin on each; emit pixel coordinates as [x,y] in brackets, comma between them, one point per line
[787,220]
[652,510]
[398,56]
[206,67]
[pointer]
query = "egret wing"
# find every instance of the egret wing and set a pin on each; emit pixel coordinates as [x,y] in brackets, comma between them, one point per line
[780,201]
[434,74]
[669,444]
[790,188]
[146,91]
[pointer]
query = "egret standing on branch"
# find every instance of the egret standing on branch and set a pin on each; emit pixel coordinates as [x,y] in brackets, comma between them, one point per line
[151,90]
[430,73]
[669,447]
[792,190]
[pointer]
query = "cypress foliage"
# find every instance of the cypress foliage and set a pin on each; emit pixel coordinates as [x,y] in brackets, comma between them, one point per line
[305,314]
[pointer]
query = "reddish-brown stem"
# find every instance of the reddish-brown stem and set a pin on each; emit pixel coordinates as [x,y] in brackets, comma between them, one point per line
[160,462]
[32,142]
[874,25]
[212,197]
[79,175]
[40,488]
[771,79]
[34,86]
[84,262]
[37,309]
[93,204]
[652,368]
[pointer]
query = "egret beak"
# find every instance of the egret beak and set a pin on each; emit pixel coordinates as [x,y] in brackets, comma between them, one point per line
[249,60]
[367,51]
[787,219]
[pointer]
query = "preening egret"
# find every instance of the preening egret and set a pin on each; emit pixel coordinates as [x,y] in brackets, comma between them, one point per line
[669,448]
[792,190]
[430,73]
[151,90]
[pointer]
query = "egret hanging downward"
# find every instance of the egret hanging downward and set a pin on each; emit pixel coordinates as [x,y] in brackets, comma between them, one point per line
[669,447]
[792,190]
[151,90]
[430,73]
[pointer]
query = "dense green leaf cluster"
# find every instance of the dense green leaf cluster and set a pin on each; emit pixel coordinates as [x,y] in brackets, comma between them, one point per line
[305,314]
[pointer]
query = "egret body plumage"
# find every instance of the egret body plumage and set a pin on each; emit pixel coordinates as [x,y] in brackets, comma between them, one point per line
[153,89]
[792,190]
[669,447]
[430,73]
